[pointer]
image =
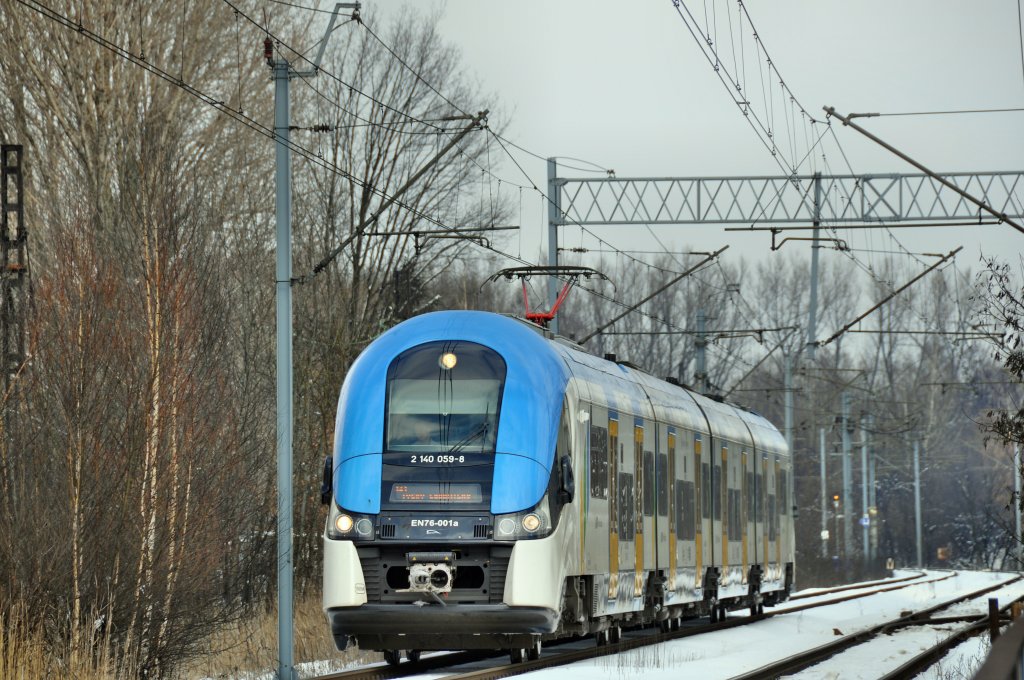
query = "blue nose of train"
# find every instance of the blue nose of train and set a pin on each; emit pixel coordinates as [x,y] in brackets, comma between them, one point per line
[519,446]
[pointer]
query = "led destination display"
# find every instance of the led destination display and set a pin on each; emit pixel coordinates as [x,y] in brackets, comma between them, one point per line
[434,492]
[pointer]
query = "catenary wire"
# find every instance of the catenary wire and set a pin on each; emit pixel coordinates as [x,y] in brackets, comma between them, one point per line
[254,125]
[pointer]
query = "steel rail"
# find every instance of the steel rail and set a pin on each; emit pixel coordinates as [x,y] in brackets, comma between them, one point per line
[857,596]
[430,663]
[858,586]
[926,659]
[805,659]
[932,655]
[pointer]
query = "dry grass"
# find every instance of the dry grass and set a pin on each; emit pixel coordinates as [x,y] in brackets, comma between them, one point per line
[249,648]
[246,650]
[961,666]
[25,654]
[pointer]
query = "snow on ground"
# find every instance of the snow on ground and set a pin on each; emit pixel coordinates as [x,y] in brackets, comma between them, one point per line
[723,654]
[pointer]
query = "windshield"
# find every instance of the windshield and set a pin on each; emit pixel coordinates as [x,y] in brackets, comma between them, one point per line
[443,397]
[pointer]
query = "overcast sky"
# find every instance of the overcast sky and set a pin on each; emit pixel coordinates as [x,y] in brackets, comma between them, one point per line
[624,85]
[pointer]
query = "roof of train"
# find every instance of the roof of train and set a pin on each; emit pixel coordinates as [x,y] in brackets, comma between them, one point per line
[539,368]
[618,386]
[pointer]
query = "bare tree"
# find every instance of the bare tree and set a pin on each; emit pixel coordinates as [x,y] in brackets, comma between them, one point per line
[386,122]
[130,375]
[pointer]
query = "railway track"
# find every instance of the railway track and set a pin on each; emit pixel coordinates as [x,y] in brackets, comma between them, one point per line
[573,652]
[975,624]
[858,586]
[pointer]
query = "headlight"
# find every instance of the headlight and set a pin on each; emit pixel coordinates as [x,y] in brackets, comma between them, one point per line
[347,525]
[343,523]
[533,523]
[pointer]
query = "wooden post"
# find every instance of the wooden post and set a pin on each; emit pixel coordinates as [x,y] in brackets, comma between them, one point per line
[993,618]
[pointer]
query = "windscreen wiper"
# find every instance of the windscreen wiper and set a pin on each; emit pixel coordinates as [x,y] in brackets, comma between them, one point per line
[475,434]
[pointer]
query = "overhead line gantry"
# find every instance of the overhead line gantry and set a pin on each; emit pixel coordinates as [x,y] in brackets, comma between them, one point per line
[889,199]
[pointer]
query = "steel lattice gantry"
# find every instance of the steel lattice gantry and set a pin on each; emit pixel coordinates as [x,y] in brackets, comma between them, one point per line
[810,199]
[781,200]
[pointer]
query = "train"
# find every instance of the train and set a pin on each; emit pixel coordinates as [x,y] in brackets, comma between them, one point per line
[495,486]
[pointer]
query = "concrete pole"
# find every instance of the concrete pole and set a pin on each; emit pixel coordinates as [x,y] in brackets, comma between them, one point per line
[787,363]
[847,481]
[872,503]
[283,278]
[917,503]
[865,518]
[554,218]
[812,316]
[1016,501]
[824,495]
[701,344]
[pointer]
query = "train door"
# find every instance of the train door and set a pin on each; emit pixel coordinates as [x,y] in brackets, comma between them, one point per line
[613,505]
[641,504]
[702,475]
[627,513]
[667,517]
[731,459]
[780,507]
[758,505]
[717,540]
[658,552]
[770,517]
[687,513]
[596,533]
[652,482]
[748,489]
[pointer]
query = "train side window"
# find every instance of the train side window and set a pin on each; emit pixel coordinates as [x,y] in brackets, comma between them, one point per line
[705,485]
[728,528]
[758,494]
[739,513]
[598,462]
[734,515]
[661,478]
[680,512]
[685,506]
[751,500]
[727,515]
[627,515]
[724,498]
[783,504]
[647,481]
[716,493]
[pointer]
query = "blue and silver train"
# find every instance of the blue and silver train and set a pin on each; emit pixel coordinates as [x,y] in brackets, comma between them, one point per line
[495,486]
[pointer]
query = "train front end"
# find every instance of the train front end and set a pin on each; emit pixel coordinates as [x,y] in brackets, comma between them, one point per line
[445,491]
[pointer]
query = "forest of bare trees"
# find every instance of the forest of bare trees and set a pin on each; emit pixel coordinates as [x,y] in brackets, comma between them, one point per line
[138,445]
[137,450]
